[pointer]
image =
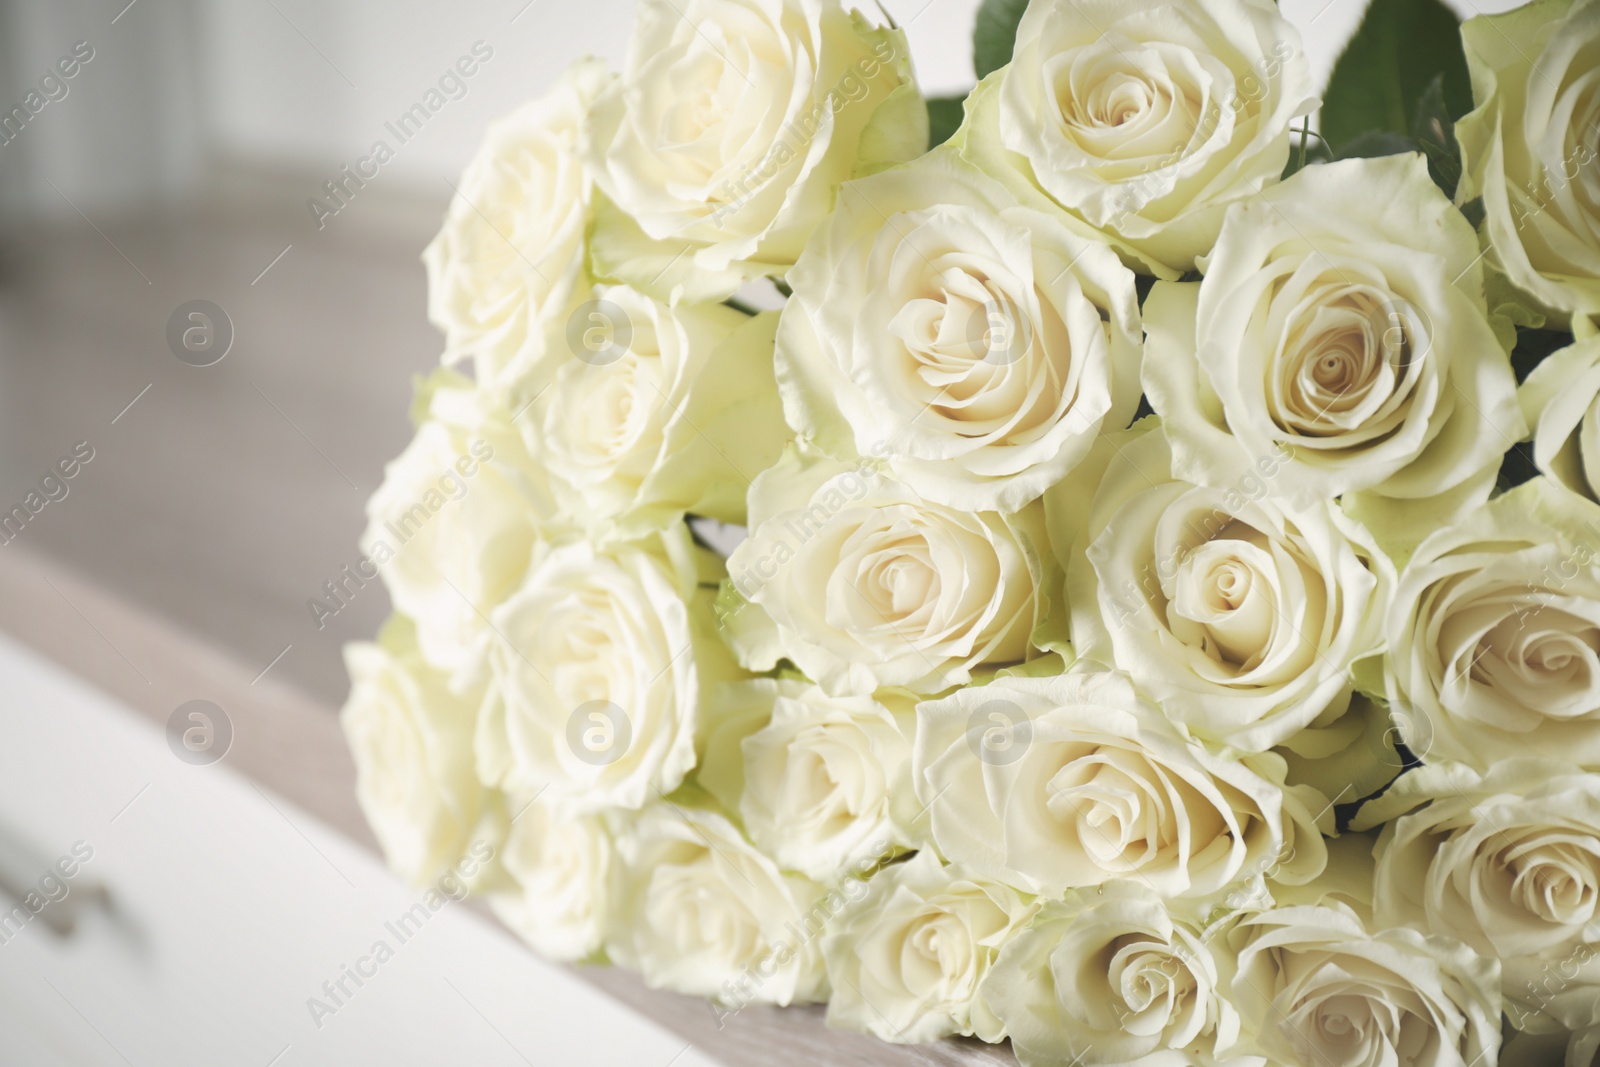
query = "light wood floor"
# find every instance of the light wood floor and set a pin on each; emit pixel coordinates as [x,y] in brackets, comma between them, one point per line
[226,495]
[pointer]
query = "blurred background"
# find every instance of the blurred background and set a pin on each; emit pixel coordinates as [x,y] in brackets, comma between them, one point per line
[180,162]
[178,166]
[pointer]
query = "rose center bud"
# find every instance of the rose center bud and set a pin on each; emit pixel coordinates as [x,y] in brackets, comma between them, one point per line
[1222,605]
[1544,658]
[1114,809]
[935,958]
[1349,1033]
[1122,101]
[1348,359]
[1150,982]
[1557,881]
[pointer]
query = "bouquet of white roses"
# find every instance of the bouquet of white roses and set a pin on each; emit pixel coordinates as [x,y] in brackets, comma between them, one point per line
[1164,621]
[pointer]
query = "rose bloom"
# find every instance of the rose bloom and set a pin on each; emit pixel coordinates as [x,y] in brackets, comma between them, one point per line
[562,869]
[1531,149]
[1051,784]
[1508,862]
[601,662]
[453,525]
[726,138]
[1494,634]
[661,409]
[503,270]
[907,959]
[821,776]
[701,911]
[1341,320]
[1110,977]
[1561,400]
[973,345]
[1315,986]
[862,584]
[411,738]
[1145,119]
[1240,614]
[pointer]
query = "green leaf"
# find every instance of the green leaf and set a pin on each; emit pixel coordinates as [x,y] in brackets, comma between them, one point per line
[1377,143]
[944,118]
[1386,69]
[995,34]
[1435,133]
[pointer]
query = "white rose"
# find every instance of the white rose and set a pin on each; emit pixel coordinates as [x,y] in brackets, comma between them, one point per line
[1561,400]
[1341,320]
[1532,148]
[906,960]
[1240,615]
[974,345]
[821,778]
[662,410]
[411,738]
[1494,634]
[1145,119]
[453,525]
[701,911]
[1050,784]
[1508,862]
[862,584]
[730,130]
[562,867]
[1314,986]
[502,271]
[601,662]
[1110,977]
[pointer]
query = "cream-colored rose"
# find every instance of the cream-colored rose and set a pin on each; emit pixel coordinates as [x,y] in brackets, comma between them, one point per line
[453,525]
[411,738]
[863,584]
[821,776]
[1494,634]
[726,138]
[1508,862]
[601,663]
[973,345]
[1110,977]
[907,959]
[660,410]
[1341,326]
[1144,119]
[1531,149]
[503,270]
[1239,614]
[702,911]
[562,867]
[1561,400]
[1315,986]
[1050,784]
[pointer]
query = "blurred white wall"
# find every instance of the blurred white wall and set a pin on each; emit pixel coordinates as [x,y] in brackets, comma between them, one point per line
[304,86]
